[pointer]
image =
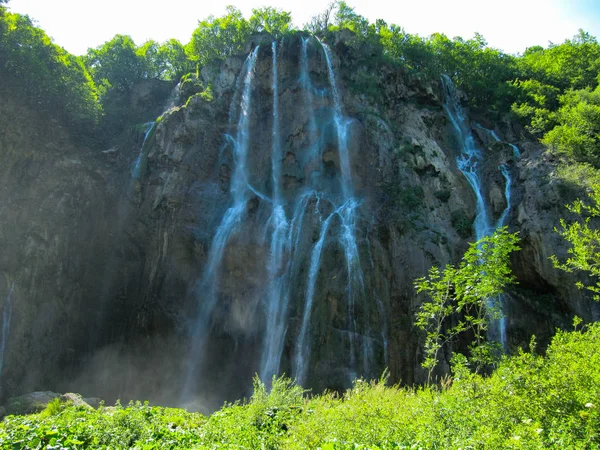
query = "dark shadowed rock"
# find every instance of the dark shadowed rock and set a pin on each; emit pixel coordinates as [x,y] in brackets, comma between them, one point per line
[33,402]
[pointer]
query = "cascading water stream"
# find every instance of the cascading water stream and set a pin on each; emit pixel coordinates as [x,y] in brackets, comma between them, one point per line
[302,345]
[307,88]
[515,149]
[470,156]
[500,330]
[137,165]
[6,317]
[468,164]
[507,179]
[207,287]
[347,215]
[341,126]
[277,295]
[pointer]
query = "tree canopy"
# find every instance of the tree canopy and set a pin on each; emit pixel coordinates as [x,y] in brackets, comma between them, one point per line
[47,75]
[552,91]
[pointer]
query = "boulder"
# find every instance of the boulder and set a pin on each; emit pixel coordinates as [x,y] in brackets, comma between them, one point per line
[30,403]
[75,399]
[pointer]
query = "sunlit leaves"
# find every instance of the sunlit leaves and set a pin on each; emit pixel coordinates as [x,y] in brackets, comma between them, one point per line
[218,37]
[578,131]
[584,254]
[49,76]
[466,291]
[272,20]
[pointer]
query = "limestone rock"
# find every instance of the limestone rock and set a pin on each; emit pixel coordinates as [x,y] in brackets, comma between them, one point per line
[75,400]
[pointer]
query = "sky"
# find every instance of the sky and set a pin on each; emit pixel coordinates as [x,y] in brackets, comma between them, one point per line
[509,25]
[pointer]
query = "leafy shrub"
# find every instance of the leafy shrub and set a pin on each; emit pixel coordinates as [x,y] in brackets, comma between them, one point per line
[461,223]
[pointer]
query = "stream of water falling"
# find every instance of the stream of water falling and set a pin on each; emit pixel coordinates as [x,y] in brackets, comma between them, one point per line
[277,295]
[468,163]
[346,212]
[136,171]
[6,317]
[331,206]
[207,287]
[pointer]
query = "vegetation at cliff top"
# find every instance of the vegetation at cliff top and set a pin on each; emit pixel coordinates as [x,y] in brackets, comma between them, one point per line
[553,91]
[529,402]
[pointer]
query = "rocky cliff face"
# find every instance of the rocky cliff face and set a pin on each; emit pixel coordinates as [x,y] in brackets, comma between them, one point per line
[161,286]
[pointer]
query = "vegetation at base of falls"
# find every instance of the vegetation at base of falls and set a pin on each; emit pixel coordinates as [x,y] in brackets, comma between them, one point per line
[584,253]
[467,294]
[530,401]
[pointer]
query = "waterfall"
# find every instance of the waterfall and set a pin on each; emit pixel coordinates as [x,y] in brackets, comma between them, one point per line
[346,212]
[500,330]
[277,295]
[6,316]
[307,87]
[342,127]
[492,133]
[138,163]
[207,287]
[325,205]
[506,174]
[468,163]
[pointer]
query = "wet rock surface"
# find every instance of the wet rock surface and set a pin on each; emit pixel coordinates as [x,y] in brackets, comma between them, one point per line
[108,271]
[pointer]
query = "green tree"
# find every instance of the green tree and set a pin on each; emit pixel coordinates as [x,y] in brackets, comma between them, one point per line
[467,292]
[272,20]
[584,254]
[578,131]
[559,76]
[216,38]
[573,64]
[45,74]
[116,65]
[172,60]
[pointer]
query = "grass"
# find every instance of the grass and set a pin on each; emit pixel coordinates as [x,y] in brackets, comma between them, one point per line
[529,402]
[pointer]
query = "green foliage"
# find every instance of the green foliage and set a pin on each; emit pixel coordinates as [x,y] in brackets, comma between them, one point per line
[116,65]
[530,401]
[578,131]
[468,291]
[215,38]
[584,254]
[461,223]
[573,64]
[535,105]
[47,76]
[272,20]
[558,98]
[53,408]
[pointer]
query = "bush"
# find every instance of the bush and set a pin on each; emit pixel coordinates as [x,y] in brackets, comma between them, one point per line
[530,401]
